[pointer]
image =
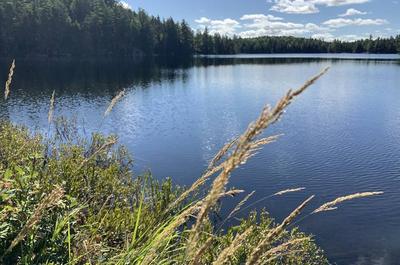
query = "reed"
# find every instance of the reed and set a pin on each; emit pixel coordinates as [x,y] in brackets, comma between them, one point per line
[280,193]
[288,191]
[51,108]
[199,254]
[9,80]
[260,248]
[243,149]
[221,153]
[169,229]
[224,256]
[107,145]
[277,251]
[114,102]
[240,204]
[330,206]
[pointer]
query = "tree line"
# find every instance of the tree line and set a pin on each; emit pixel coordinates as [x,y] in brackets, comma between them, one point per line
[92,28]
[217,44]
[57,28]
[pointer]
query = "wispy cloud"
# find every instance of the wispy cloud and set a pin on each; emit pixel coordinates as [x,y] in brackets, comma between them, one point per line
[227,26]
[261,17]
[339,2]
[324,36]
[352,37]
[352,12]
[261,25]
[343,22]
[294,6]
[308,6]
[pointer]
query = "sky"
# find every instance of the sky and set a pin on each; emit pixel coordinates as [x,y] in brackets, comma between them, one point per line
[325,19]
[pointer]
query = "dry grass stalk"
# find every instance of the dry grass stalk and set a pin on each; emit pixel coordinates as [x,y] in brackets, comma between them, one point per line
[240,204]
[275,194]
[229,251]
[277,251]
[177,222]
[288,191]
[198,183]
[243,150]
[159,239]
[274,233]
[264,141]
[48,202]
[330,206]
[51,108]
[111,142]
[9,80]
[197,258]
[231,193]
[213,168]
[113,102]
[221,153]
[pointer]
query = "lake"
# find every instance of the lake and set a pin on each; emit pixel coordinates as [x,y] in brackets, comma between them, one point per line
[342,136]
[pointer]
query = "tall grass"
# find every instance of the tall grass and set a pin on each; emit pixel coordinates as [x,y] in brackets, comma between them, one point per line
[65,202]
[9,80]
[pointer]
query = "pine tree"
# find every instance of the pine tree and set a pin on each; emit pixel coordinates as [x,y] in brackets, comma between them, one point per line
[398,43]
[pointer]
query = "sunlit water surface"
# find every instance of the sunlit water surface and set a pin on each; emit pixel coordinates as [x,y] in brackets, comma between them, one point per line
[342,136]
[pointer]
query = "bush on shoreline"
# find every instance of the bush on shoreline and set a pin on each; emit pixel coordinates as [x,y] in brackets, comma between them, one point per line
[105,215]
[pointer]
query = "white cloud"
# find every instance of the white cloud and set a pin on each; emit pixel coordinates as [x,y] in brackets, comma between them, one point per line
[260,17]
[203,20]
[308,6]
[315,28]
[125,5]
[294,6]
[352,12]
[256,25]
[224,27]
[351,37]
[323,36]
[261,25]
[343,22]
[339,2]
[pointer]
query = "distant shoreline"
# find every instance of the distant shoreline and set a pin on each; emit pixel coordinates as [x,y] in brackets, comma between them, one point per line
[339,56]
[139,59]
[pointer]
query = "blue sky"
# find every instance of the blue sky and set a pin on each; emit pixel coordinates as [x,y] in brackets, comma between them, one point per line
[327,19]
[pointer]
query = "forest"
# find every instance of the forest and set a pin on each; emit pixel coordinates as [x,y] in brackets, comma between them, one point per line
[104,28]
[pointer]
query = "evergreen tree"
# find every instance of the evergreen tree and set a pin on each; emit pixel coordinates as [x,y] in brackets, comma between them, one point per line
[186,40]
[104,28]
[398,43]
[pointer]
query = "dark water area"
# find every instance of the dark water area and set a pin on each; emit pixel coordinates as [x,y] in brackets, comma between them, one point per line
[341,137]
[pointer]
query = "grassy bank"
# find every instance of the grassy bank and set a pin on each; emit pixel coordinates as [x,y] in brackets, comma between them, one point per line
[67,200]
[71,201]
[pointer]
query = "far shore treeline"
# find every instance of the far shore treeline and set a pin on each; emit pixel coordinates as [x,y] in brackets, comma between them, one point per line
[94,28]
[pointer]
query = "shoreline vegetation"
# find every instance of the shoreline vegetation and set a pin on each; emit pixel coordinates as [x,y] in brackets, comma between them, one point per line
[104,28]
[68,200]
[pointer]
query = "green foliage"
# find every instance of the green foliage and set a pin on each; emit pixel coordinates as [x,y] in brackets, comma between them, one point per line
[216,44]
[98,211]
[106,215]
[87,28]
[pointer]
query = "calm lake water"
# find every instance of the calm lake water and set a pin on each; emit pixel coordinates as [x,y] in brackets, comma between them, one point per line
[341,137]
